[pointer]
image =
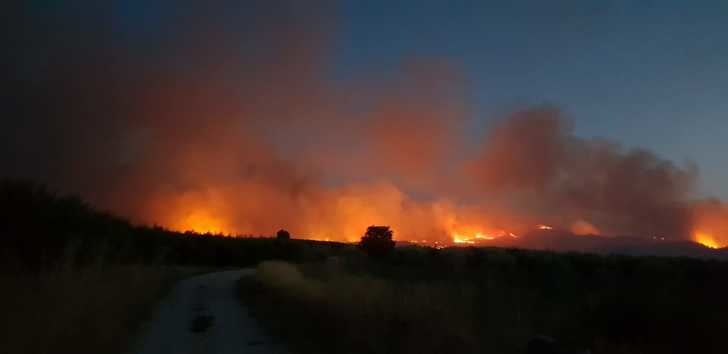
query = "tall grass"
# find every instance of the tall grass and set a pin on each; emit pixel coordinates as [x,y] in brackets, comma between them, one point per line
[493,301]
[360,314]
[95,309]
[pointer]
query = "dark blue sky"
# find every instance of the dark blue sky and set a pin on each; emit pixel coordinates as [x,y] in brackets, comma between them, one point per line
[644,73]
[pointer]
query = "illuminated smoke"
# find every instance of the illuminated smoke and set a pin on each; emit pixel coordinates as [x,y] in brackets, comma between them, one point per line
[228,120]
[710,223]
[534,159]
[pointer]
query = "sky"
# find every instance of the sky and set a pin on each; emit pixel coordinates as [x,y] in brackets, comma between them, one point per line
[645,73]
[438,118]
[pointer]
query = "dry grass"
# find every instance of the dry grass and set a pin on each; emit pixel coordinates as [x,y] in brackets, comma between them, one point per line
[91,310]
[493,301]
[361,314]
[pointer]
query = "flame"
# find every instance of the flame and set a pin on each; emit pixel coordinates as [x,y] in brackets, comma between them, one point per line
[545,227]
[201,221]
[706,240]
[711,224]
[460,239]
[472,235]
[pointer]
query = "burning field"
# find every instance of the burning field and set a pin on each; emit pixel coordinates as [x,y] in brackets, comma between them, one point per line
[206,136]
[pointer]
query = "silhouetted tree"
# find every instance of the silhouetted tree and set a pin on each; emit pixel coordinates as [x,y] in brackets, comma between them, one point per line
[377,241]
[283,235]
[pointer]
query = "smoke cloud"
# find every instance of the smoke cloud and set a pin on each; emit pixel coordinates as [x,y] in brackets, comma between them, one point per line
[228,119]
[585,185]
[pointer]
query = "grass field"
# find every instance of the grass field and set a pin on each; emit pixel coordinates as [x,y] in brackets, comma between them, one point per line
[95,309]
[493,301]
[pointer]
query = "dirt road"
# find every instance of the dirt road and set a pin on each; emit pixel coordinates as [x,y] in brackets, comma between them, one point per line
[203,315]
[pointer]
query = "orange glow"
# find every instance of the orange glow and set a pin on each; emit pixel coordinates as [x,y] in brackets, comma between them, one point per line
[460,239]
[545,227]
[472,235]
[466,227]
[584,228]
[202,222]
[711,224]
[706,240]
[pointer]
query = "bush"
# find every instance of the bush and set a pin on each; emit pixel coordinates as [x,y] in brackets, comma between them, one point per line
[283,235]
[377,241]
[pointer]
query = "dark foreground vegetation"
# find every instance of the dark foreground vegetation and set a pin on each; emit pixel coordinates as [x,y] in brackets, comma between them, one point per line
[480,300]
[94,309]
[76,280]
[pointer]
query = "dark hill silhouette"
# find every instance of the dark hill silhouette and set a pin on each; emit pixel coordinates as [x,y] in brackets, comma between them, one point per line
[624,245]
[38,228]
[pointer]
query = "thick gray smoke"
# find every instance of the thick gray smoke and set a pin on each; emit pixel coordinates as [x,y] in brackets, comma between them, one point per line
[588,185]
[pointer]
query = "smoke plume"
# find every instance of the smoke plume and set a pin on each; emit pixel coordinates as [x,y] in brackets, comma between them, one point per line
[228,119]
[590,186]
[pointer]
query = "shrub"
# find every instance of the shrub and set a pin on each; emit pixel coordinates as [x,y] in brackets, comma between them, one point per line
[283,235]
[377,241]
